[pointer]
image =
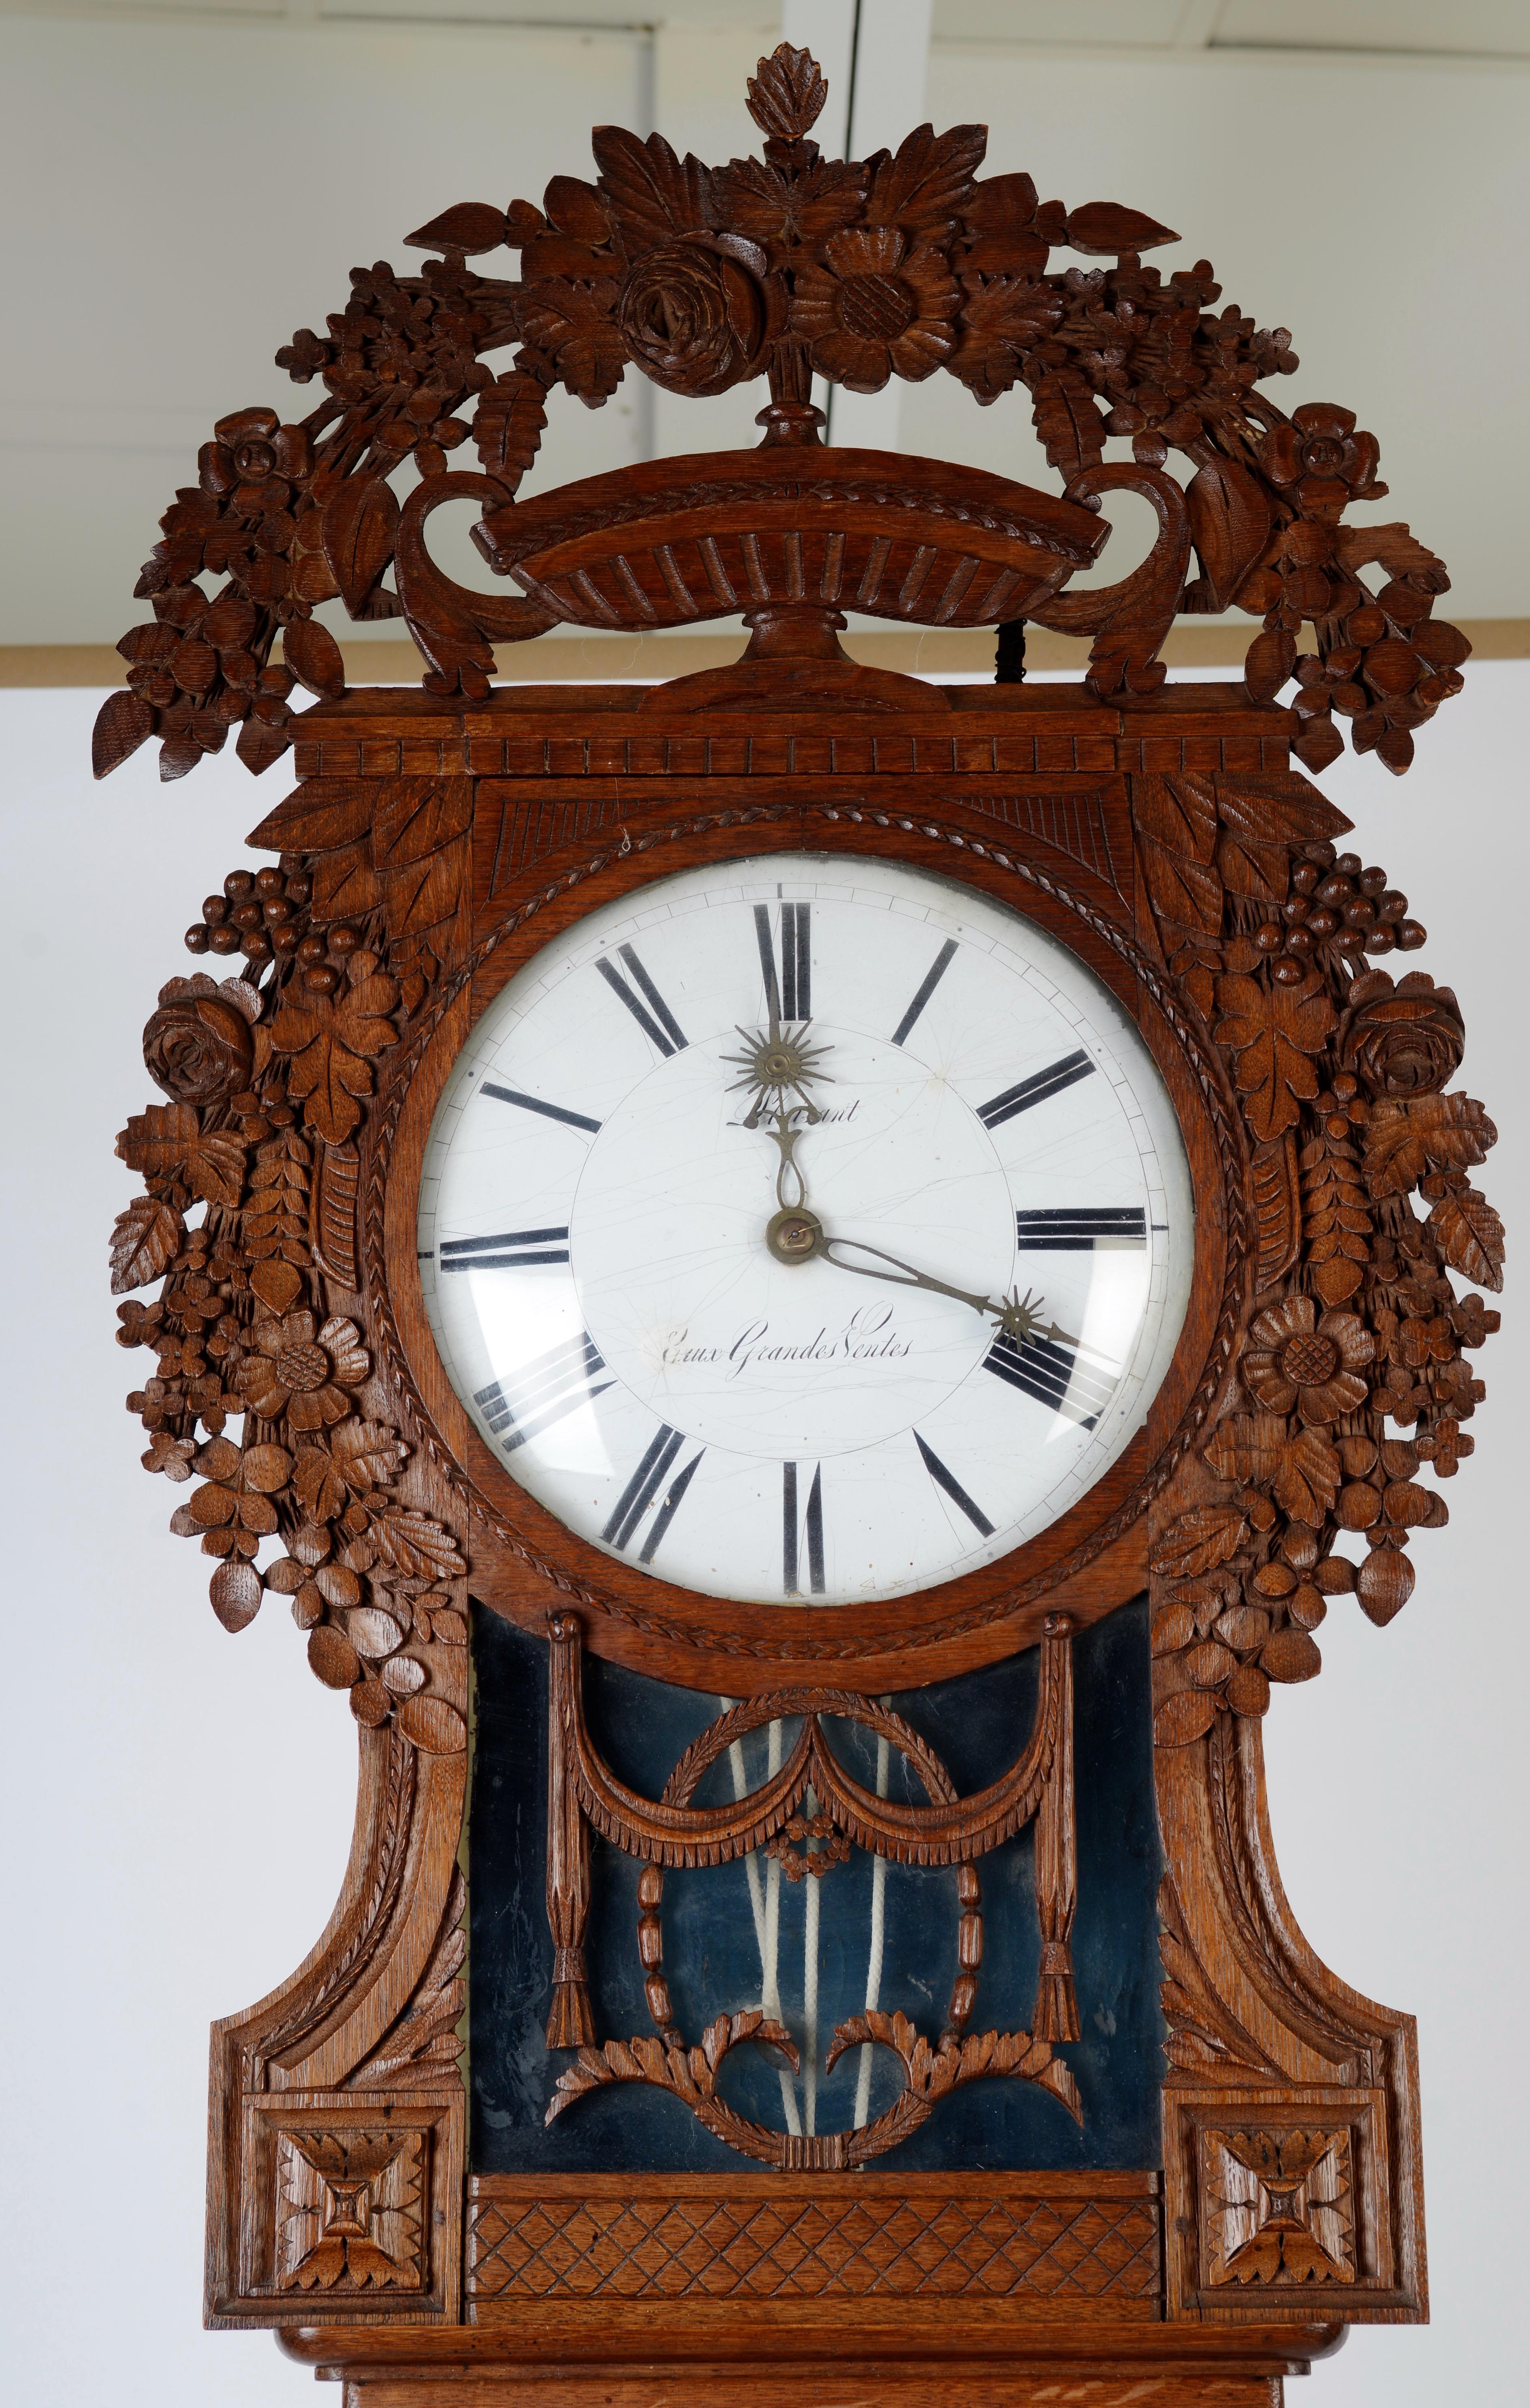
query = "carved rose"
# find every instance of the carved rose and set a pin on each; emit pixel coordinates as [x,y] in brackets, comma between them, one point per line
[198,1047]
[693,322]
[303,1373]
[871,312]
[1296,1359]
[1402,1041]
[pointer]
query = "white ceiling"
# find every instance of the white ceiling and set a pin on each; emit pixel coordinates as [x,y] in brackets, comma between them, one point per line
[1473,29]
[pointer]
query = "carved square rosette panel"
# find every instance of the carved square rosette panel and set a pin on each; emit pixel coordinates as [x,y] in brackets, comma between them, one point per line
[435,841]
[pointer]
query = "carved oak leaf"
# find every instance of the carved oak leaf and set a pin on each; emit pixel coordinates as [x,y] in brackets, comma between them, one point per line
[144,1239]
[317,1482]
[1272,1031]
[1198,1540]
[167,1143]
[1470,1235]
[330,1038]
[576,325]
[1406,1138]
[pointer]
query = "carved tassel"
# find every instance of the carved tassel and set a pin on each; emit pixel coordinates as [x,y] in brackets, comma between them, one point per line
[571,2023]
[1056,2015]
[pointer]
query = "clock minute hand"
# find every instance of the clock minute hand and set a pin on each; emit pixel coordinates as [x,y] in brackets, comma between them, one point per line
[1018,1316]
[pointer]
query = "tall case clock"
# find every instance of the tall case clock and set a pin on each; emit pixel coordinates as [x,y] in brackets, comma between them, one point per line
[810,1284]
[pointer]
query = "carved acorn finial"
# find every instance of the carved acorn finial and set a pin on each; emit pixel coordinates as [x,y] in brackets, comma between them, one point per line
[787,94]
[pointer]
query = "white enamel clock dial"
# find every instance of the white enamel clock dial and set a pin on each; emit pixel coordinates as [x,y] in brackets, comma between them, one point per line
[982,1142]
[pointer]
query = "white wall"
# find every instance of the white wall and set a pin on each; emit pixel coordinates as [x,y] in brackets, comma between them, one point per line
[181,195]
[176,1802]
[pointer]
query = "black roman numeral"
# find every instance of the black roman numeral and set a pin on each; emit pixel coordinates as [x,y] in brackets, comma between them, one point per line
[658,1024]
[789,996]
[534,1104]
[556,1384]
[814,1530]
[1053,1375]
[1036,1089]
[1074,1229]
[508,1251]
[646,1488]
[933,977]
[953,1488]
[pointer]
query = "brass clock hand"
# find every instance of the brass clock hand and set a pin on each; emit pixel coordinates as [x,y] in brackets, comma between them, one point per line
[779,1063]
[1018,1316]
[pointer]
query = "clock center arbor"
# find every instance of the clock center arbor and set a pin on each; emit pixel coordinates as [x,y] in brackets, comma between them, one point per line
[809,1283]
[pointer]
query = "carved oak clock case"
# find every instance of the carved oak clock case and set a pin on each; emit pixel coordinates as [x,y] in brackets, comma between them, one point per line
[810,1284]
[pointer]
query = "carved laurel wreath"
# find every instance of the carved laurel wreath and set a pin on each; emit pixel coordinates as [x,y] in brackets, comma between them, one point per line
[1354,1372]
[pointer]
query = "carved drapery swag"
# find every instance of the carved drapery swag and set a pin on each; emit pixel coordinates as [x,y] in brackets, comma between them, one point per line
[584,1795]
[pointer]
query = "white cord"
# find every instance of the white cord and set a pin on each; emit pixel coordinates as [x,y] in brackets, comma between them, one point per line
[809,1992]
[874,1954]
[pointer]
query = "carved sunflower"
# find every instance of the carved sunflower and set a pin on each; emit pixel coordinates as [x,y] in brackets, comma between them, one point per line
[1296,1359]
[304,1375]
[870,312]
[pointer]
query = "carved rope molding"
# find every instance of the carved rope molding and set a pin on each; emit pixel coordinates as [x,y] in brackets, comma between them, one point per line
[785,266]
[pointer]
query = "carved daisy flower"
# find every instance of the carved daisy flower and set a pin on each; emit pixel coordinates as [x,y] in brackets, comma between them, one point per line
[303,1375]
[1295,1359]
[870,312]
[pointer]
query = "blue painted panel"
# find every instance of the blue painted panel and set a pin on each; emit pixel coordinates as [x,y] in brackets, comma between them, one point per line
[718,1924]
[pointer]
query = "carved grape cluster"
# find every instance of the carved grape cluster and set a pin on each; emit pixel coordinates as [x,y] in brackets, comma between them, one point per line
[785,267]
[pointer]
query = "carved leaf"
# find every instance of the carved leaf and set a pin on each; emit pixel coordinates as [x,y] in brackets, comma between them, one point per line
[1248,1447]
[366,1454]
[1000,320]
[1276,1208]
[1470,1235]
[429,1723]
[124,722]
[323,813]
[168,1142]
[651,192]
[1183,1718]
[787,94]
[1176,830]
[144,1239]
[1231,516]
[471,227]
[1104,228]
[929,178]
[318,1483]
[1198,1540]
[314,658]
[1308,1479]
[1071,429]
[1273,1031]
[345,886]
[360,522]
[419,850]
[411,1544]
[332,1231]
[1407,1139]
